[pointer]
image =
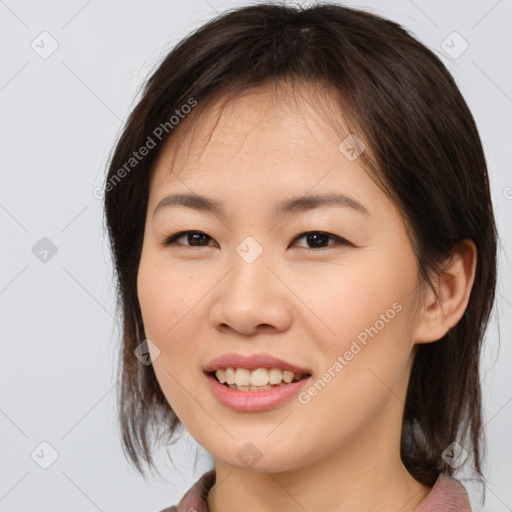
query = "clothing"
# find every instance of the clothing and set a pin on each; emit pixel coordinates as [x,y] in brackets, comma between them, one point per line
[447,495]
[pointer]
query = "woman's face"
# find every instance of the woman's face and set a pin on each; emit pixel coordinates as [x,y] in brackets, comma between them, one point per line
[259,280]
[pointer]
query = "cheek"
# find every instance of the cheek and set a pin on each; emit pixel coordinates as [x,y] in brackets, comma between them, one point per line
[367,312]
[168,314]
[165,297]
[155,311]
[349,300]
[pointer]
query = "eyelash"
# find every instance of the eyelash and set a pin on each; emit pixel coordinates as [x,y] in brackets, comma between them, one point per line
[171,239]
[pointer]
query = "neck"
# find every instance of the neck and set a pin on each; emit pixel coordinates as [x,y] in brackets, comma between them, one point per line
[339,491]
[361,477]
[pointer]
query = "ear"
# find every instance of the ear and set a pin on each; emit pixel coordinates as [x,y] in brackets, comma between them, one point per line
[439,314]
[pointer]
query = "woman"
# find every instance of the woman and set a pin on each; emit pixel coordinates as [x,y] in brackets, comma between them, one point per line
[303,236]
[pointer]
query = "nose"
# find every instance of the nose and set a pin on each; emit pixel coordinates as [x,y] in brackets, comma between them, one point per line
[251,299]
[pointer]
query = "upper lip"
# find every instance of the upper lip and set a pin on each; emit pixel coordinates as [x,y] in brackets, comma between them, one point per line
[252,362]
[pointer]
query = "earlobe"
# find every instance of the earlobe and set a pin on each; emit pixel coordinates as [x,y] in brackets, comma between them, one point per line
[441,311]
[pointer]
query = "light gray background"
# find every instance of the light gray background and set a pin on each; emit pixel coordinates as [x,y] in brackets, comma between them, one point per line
[60,116]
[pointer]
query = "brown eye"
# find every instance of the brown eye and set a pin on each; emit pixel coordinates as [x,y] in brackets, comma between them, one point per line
[193,239]
[314,239]
[320,239]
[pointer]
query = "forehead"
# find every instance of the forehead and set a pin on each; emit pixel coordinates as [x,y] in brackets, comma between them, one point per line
[260,150]
[265,127]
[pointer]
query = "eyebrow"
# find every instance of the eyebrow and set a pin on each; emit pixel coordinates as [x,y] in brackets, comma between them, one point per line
[292,205]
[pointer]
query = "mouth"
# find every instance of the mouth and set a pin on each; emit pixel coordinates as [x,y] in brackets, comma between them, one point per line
[256,380]
[234,387]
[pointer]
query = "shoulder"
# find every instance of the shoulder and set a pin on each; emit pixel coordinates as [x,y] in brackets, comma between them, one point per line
[195,498]
[447,495]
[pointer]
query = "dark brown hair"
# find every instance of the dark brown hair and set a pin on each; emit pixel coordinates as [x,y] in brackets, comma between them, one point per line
[423,149]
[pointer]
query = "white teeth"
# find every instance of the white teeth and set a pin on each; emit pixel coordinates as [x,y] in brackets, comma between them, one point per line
[255,380]
[259,377]
[260,388]
[221,375]
[242,377]
[287,376]
[230,375]
[275,376]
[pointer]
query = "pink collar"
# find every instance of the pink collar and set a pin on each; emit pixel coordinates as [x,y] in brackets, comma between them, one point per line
[447,495]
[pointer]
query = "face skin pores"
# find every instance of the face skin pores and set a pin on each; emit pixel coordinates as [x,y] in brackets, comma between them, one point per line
[313,282]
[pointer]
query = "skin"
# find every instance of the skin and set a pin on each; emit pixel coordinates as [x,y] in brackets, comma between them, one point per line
[340,451]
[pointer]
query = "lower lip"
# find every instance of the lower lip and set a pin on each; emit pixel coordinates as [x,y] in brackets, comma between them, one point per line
[253,401]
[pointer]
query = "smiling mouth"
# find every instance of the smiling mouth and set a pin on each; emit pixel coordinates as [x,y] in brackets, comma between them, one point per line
[261,379]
